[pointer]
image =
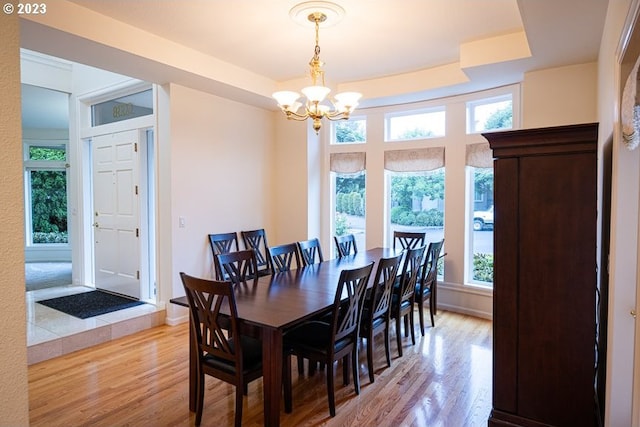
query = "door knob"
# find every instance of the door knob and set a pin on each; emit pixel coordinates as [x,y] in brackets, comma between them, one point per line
[633,313]
[96,225]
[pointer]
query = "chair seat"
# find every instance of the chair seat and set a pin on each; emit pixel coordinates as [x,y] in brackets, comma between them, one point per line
[394,303]
[425,291]
[313,335]
[251,356]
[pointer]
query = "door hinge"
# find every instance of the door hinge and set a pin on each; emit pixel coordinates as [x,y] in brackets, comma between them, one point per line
[136,190]
[138,274]
[137,232]
[135,147]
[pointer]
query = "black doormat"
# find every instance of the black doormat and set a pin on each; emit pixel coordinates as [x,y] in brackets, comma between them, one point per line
[90,304]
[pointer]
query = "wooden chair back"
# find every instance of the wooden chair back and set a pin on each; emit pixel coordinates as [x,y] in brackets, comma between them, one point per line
[257,240]
[238,267]
[408,239]
[345,245]
[310,251]
[283,256]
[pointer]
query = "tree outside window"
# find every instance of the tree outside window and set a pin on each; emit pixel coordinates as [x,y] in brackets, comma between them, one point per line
[47,183]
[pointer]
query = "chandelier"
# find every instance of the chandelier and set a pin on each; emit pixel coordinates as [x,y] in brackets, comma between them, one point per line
[315,106]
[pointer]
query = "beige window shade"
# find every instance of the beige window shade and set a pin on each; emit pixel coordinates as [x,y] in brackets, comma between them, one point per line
[421,159]
[479,155]
[347,162]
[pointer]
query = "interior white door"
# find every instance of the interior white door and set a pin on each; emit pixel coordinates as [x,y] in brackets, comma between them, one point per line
[116,212]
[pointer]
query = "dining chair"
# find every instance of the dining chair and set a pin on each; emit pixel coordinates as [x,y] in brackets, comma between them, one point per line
[376,308]
[427,281]
[283,256]
[310,250]
[328,342]
[408,239]
[235,359]
[222,243]
[404,293]
[257,240]
[345,245]
[238,267]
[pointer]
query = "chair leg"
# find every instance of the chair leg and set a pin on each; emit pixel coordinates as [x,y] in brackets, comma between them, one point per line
[398,336]
[387,345]
[356,372]
[370,356]
[406,325]
[421,316]
[301,365]
[286,382]
[345,370]
[413,334]
[432,310]
[239,397]
[330,391]
[200,399]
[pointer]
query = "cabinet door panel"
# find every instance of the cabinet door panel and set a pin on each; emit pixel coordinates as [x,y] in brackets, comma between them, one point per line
[556,300]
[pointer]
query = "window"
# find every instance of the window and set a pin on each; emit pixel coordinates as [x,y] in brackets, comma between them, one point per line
[490,114]
[123,108]
[416,203]
[349,202]
[46,193]
[415,124]
[352,131]
[480,227]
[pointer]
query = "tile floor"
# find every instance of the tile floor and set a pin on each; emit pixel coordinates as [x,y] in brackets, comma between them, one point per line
[51,333]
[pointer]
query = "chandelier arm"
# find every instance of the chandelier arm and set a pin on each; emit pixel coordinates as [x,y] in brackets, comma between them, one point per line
[337,116]
[295,116]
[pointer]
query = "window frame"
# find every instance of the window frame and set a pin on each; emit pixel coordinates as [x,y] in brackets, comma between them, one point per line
[334,128]
[29,166]
[475,103]
[389,116]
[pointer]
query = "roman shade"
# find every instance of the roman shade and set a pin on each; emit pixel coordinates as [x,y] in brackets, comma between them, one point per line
[347,162]
[479,155]
[415,160]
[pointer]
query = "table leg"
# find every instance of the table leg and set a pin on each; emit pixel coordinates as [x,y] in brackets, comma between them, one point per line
[272,375]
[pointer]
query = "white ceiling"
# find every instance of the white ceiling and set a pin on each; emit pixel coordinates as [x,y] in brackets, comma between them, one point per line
[376,38]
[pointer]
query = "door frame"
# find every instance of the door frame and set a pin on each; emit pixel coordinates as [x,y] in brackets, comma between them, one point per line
[146,126]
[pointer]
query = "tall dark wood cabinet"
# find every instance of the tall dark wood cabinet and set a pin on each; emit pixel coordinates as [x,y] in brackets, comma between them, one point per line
[544,302]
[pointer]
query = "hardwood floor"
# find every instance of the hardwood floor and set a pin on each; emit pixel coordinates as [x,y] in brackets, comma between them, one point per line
[141,380]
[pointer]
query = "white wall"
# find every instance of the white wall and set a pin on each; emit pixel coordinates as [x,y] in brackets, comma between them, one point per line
[14,389]
[221,178]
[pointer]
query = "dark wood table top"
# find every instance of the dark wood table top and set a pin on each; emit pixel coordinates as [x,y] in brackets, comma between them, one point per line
[284,299]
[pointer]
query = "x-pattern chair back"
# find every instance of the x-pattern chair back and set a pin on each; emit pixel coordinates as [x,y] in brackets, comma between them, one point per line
[346,245]
[408,239]
[239,266]
[386,275]
[430,265]
[348,301]
[206,300]
[257,240]
[410,272]
[222,243]
[283,256]
[310,250]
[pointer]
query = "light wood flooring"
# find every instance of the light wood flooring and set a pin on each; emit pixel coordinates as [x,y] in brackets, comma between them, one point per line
[142,380]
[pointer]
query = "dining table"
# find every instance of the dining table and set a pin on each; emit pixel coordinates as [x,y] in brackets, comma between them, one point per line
[271,305]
